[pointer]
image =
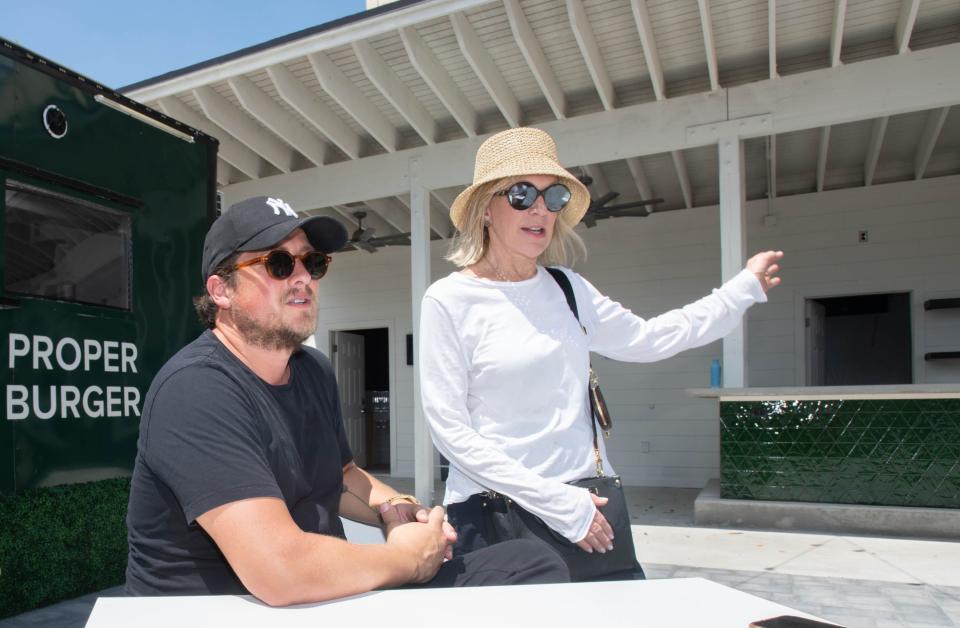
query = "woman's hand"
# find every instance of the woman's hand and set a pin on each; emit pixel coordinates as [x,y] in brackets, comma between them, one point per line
[600,535]
[764,266]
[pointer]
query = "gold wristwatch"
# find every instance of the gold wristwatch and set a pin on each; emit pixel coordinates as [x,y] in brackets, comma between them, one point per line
[410,499]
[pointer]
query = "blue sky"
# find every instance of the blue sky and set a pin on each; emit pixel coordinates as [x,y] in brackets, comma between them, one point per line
[122,42]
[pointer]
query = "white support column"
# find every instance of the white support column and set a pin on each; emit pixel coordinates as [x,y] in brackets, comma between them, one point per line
[420,280]
[733,238]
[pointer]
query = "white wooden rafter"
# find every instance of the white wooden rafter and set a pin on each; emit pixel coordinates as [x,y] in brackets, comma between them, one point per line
[772,38]
[908,17]
[486,70]
[437,78]
[587,41]
[683,176]
[529,46]
[640,178]
[877,132]
[240,126]
[274,117]
[925,79]
[223,172]
[822,156]
[395,91]
[928,140]
[231,151]
[392,211]
[836,34]
[342,89]
[645,28]
[367,28]
[709,46]
[304,102]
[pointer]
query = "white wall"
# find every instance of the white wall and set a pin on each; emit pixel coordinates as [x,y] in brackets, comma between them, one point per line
[663,436]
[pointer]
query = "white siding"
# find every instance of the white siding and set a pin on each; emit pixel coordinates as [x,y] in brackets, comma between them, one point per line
[654,264]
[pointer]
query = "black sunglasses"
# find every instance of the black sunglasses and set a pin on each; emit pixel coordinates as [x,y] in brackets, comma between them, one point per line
[523,195]
[280,263]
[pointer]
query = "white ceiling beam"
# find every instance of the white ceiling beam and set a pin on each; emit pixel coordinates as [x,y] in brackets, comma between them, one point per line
[485,69]
[908,17]
[928,140]
[365,28]
[240,126]
[640,178]
[392,211]
[395,91]
[772,38]
[529,46]
[884,86]
[275,118]
[822,156]
[836,35]
[680,165]
[587,41]
[232,151]
[873,149]
[645,27]
[708,44]
[438,79]
[922,80]
[353,101]
[304,102]
[223,172]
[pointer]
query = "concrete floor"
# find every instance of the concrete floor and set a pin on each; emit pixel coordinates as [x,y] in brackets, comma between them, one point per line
[867,581]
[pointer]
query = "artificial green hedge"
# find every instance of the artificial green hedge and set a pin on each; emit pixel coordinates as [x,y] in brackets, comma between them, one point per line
[61,542]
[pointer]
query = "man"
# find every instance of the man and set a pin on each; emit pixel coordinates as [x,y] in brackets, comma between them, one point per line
[243,465]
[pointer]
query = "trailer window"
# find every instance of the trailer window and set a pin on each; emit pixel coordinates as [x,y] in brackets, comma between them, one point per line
[63,248]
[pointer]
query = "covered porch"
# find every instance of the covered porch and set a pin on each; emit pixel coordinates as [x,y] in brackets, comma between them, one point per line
[825,128]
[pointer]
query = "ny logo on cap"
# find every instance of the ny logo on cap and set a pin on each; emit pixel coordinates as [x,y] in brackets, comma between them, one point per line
[279,204]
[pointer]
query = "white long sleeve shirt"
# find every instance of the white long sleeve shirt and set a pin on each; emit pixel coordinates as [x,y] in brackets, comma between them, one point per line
[503,370]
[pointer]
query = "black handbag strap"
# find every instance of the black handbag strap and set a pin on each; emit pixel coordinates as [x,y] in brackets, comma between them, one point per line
[564,282]
[561,278]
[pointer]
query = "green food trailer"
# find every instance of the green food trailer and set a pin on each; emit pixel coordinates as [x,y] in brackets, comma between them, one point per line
[105,205]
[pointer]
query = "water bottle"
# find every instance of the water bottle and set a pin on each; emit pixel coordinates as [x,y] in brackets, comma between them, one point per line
[715,374]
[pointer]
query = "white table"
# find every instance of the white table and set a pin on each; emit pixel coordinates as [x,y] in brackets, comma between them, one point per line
[666,603]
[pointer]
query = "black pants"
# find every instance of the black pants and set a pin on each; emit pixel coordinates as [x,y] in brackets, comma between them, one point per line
[513,562]
[470,519]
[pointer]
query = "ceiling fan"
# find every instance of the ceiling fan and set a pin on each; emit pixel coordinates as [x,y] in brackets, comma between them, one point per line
[363,238]
[600,208]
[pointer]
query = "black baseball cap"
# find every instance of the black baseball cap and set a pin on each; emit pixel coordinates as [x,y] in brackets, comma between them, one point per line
[260,222]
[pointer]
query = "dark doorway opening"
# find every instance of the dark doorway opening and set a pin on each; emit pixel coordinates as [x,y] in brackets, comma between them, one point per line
[859,340]
[376,398]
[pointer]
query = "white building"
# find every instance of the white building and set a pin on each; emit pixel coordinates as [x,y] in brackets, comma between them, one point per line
[825,128]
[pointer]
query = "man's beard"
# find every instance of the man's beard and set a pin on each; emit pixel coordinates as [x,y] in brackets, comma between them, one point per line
[270,336]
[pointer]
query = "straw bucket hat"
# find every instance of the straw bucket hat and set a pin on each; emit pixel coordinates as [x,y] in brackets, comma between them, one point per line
[518,152]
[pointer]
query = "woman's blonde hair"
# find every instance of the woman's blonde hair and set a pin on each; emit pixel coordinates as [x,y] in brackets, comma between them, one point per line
[471,244]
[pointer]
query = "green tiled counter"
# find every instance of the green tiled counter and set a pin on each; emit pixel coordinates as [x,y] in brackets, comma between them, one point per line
[880,445]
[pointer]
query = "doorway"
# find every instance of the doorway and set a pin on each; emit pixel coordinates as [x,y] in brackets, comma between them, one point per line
[361,361]
[859,340]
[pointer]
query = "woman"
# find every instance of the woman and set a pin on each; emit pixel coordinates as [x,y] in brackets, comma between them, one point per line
[504,363]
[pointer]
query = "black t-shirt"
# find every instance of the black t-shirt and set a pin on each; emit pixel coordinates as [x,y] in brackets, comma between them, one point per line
[212,432]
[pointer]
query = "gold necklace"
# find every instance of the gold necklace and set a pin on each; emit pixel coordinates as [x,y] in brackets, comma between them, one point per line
[499,276]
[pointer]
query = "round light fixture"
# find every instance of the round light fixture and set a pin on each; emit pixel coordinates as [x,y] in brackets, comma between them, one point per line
[55,121]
